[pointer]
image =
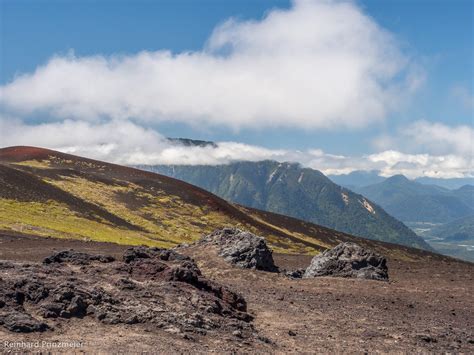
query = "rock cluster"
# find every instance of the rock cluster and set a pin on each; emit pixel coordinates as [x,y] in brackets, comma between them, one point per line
[348,260]
[150,285]
[241,248]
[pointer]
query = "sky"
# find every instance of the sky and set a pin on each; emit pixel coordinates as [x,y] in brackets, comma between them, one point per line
[335,85]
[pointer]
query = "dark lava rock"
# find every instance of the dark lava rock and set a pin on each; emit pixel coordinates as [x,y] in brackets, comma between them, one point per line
[295,274]
[151,286]
[348,260]
[75,257]
[243,249]
[135,253]
[427,338]
[22,323]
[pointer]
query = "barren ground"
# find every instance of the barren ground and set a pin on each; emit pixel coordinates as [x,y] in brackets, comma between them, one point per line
[426,306]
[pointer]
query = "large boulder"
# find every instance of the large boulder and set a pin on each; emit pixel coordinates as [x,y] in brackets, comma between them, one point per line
[348,260]
[241,248]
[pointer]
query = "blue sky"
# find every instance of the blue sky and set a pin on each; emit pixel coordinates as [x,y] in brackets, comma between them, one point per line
[435,35]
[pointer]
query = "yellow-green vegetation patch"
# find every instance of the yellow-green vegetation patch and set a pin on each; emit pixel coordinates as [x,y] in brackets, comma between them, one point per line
[57,220]
[164,215]
[39,164]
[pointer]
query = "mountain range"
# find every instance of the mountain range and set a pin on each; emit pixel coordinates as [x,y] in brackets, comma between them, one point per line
[360,178]
[411,201]
[303,193]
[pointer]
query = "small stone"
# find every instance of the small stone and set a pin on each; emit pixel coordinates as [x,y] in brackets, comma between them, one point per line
[188,337]
[131,320]
[295,274]
[237,333]
[427,338]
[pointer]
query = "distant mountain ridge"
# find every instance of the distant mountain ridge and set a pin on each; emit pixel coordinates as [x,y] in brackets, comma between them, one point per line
[362,178]
[357,178]
[187,142]
[304,193]
[411,201]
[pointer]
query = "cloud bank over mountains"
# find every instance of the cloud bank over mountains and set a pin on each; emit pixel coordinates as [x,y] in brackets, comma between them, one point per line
[124,142]
[319,65]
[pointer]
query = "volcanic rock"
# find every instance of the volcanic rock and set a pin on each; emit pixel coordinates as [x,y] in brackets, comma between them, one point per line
[151,285]
[21,323]
[135,253]
[348,260]
[241,248]
[75,257]
[294,274]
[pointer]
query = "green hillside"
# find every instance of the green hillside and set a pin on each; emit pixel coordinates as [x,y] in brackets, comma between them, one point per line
[291,190]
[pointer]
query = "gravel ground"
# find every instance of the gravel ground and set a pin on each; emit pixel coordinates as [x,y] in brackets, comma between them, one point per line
[425,307]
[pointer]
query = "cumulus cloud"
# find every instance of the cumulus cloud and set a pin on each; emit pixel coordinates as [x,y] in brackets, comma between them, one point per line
[115,141]
[393,162]
[125,142]
[319,64]
[432,137]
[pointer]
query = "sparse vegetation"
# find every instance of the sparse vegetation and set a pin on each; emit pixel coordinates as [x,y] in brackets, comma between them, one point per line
[56,220]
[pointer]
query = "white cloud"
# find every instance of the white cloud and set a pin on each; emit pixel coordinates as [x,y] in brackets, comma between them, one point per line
[116,141]
[431,137]
[417,165]
[124,142]
[320,64]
